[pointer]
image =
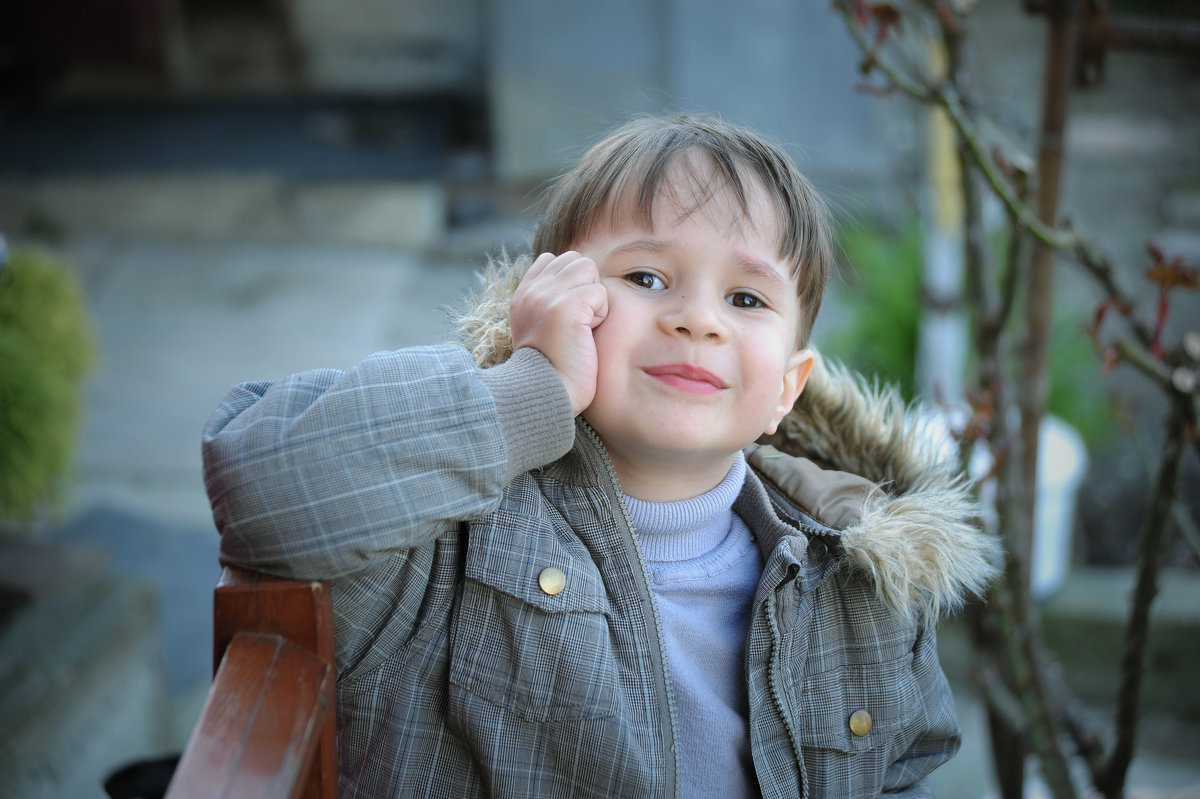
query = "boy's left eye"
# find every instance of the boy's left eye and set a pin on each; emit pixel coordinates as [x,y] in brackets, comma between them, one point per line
[742,299]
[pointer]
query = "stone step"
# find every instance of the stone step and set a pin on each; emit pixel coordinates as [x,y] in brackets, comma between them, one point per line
[1084,624]
[83,681]
[254,207]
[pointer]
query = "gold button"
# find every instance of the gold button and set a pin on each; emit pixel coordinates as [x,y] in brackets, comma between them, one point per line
[861,722]
[552,580]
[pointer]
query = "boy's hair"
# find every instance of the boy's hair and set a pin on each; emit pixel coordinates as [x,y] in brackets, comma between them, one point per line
[643,154]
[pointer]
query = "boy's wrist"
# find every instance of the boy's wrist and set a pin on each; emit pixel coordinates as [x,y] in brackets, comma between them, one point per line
[533,408]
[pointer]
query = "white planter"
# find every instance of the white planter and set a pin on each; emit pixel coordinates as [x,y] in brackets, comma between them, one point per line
[1062,464]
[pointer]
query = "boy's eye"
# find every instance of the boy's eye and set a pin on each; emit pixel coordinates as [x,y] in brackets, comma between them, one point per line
[646,280]
[742,299]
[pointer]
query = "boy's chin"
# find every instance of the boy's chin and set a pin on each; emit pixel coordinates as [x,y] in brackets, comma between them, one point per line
[684,445]
[675,455]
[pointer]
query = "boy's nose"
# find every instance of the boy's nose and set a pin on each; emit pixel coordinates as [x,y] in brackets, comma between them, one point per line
[707,335]
[695,320]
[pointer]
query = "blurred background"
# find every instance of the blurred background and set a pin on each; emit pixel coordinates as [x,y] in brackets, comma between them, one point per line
[230,190]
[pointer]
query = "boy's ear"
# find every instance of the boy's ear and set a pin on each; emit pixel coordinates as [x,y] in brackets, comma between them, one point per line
[795,375]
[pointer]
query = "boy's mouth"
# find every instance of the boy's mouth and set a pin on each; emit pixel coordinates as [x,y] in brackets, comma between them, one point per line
[688,377]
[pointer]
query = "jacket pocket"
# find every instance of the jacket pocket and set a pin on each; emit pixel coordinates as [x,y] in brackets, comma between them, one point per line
[850,761]
[885,697]
[543,654]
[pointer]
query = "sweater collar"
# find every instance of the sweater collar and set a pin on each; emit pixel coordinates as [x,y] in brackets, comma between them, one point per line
[690,528]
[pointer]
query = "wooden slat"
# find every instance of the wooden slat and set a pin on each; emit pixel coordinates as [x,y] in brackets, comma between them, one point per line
[300,612]
[259,732]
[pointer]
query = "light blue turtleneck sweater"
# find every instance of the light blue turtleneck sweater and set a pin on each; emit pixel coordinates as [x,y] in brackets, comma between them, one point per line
[704,568]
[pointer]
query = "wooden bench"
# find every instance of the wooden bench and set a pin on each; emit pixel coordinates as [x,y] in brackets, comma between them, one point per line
[268,728]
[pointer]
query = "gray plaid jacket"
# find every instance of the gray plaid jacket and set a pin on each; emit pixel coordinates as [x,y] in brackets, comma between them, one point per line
[433,494]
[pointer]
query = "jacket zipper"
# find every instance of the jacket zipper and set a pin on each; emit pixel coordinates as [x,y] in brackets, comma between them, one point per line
[773,668]
[648,598]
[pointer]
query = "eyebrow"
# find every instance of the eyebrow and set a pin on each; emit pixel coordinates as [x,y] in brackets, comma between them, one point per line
[641,245]
[755,267]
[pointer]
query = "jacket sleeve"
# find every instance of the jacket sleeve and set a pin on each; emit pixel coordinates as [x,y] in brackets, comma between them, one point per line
[937,735]
[318,474]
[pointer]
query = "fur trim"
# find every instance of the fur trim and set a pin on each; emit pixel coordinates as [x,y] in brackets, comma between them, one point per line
[482,324]
[920,541]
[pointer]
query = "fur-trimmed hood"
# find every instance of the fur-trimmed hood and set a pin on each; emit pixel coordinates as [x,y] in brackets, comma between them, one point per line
[907,517]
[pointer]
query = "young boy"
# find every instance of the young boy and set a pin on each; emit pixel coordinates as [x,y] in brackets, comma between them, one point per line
[563,567]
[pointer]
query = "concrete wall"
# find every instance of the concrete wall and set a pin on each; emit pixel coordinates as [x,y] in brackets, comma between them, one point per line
[385,45]
[556,76]
[559,75]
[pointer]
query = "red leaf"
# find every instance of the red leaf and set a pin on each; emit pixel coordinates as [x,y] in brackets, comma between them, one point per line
[1111,359]
[861,11]
[1160,321]
[886,15]
[1097,320]
[1154,252]
[1174,274]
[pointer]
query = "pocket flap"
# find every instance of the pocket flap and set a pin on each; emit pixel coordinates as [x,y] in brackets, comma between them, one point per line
[885,696]
[510,552]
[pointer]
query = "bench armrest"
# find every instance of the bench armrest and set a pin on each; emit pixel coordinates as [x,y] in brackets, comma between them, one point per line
[268,727]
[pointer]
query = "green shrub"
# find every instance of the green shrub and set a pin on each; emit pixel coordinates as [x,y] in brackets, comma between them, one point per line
[45,350]
[879,299]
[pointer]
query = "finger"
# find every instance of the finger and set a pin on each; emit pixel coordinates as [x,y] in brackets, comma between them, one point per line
[563,262]
[580,270]
[538,266]
[596,297]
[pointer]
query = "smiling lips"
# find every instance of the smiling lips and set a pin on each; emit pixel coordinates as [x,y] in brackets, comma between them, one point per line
[687,377]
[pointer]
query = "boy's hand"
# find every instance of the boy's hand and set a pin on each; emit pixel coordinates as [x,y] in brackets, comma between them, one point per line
[558,304]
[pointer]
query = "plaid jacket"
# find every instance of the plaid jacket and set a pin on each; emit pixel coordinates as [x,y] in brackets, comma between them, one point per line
[435,494]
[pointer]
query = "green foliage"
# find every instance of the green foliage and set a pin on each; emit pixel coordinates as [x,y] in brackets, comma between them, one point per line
[1077,394]
[880,300]
[45,350]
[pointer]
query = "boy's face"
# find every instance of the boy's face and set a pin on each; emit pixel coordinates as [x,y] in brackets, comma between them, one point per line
[697,355]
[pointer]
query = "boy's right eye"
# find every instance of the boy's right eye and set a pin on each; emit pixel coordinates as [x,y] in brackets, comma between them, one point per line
[646,280]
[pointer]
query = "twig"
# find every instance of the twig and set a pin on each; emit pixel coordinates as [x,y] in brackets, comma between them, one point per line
[1086,252]
[1146,363]
[913,88]
[946,96]
[1039,713]
[1112,779]
[991,323]
[1097,264]
[1055,239]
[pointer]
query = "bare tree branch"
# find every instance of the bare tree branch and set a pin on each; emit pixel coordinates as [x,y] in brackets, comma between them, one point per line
[1112,780]
[1020,685]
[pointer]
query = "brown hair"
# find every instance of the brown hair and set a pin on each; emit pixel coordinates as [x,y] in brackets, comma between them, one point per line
[641,155]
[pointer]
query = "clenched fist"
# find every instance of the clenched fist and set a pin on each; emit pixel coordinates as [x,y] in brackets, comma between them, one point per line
[558,304]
